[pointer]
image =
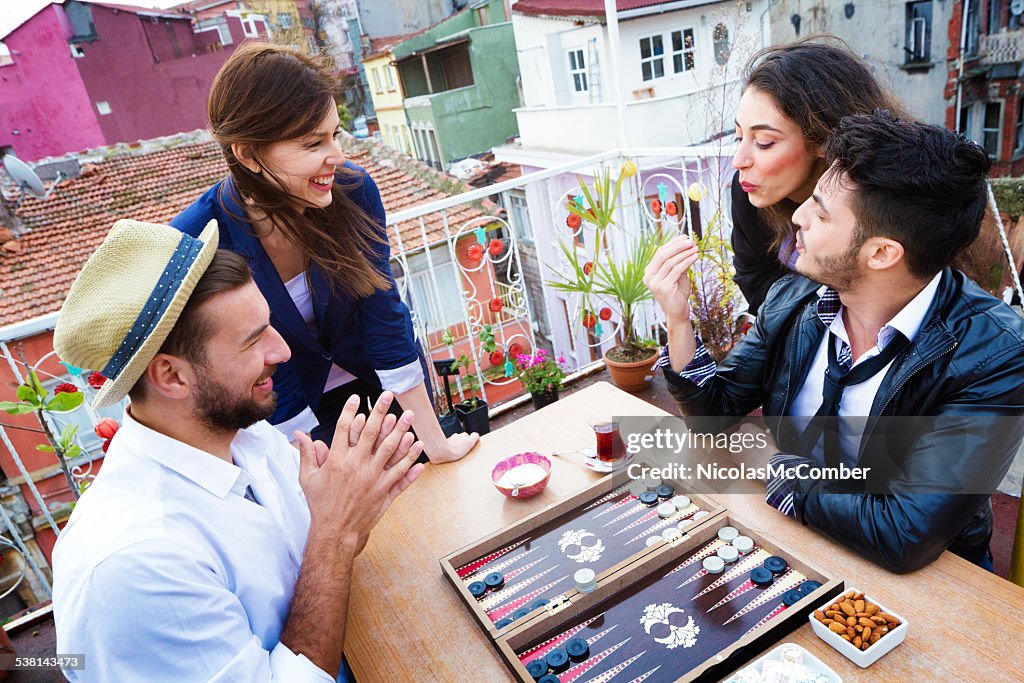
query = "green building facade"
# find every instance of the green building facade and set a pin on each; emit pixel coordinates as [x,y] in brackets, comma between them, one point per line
[459,79]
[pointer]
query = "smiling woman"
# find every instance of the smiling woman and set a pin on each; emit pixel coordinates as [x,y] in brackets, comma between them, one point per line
[311,226]
[793,96]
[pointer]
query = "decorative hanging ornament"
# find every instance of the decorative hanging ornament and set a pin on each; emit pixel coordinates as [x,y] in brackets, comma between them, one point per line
[496,305]
[475,253]
[509,370]
[589,320]
[656,207]
[663,193]
[695,192]
[598,330]
[606,313]
[588,268]
[573,221]
[481,236]
[72,370]
[495,248]
[671,209]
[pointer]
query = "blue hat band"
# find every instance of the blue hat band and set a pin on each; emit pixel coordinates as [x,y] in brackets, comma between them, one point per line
[167,286]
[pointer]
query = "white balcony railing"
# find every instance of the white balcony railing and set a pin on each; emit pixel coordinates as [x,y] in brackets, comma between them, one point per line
[1002,48]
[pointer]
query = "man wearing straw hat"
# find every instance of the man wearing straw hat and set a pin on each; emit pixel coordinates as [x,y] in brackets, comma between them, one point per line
[207,548]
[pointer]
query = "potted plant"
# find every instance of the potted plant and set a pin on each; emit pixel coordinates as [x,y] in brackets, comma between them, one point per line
[448,419]
[540,375]
[597,278]
[471,411]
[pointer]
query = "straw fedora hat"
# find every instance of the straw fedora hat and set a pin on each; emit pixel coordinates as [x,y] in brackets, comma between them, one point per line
[127,299]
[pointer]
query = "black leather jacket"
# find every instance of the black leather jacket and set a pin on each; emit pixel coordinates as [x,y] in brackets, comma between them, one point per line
[966,364]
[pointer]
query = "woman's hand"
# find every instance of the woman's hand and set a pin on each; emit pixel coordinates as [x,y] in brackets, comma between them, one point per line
[458,445]
[667,277]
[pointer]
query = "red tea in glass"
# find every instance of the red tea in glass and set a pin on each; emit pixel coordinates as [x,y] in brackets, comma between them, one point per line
[610,447]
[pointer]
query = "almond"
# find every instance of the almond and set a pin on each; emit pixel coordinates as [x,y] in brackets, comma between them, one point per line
[847,608]
[819,615]
[836,627]
[859,605]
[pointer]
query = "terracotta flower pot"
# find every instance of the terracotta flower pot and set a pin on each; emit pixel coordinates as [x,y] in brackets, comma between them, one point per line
[635,376]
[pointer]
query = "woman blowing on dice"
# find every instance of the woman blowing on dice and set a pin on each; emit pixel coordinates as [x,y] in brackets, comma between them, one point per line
[793,96]
[311,225]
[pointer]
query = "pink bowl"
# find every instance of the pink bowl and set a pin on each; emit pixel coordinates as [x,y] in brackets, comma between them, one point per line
[514,461]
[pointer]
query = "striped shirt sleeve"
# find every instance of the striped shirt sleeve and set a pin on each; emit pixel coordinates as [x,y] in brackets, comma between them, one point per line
[700,370]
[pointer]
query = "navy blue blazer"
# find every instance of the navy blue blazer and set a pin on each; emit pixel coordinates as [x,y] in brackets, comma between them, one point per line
[361,335]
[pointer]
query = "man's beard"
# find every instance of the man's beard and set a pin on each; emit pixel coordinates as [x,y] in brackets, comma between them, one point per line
[840,273]
[221,411]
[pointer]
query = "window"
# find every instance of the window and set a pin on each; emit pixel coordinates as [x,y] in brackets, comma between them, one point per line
[918,46]
[1020,125]
[482,16]
[990,128]
[76,51]
[519,216]
[721,41]
[652,58]
[682,50]
[436,307]
[284,20]
[577,71]
[973,27]
[995,9]
[103,107]
[389,75]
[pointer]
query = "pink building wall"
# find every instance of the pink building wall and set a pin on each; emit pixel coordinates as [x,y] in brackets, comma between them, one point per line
[153,73]
[45,108]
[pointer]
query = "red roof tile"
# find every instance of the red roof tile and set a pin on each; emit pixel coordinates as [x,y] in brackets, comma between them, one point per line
[68,226]
[579,8]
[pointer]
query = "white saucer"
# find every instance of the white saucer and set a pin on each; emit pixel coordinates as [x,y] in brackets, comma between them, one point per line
[591,460]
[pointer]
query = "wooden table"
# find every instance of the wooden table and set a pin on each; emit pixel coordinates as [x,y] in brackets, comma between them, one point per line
[406,622]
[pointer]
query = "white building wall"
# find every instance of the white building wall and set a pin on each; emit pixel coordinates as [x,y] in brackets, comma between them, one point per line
[877,31]
[674,109]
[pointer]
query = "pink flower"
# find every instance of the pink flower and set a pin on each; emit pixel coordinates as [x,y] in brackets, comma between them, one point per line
[561,359]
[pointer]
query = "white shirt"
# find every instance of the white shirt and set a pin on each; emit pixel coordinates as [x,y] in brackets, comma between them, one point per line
[398,380]
[857,399]
[166,572]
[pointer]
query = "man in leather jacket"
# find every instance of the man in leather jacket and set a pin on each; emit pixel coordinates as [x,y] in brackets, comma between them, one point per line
[898,202]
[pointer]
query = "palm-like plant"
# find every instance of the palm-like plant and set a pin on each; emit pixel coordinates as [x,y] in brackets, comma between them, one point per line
[592,273]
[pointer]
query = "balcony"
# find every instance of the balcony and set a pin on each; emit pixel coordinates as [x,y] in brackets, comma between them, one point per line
[1002,48]
[653,122]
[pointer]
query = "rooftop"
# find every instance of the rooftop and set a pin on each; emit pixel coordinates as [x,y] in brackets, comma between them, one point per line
[36,271]
[581,8]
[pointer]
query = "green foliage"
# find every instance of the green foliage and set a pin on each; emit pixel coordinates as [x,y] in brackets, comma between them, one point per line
[715,294]
[345,117]
[32,397]
[65,443]
[538,373]
[623,280]
[1009,194]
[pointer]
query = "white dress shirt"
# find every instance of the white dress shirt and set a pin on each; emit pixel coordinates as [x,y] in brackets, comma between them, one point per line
[857,398]
[166,572]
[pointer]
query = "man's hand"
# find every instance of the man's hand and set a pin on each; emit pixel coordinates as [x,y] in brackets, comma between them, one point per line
[667,277]
[349,486]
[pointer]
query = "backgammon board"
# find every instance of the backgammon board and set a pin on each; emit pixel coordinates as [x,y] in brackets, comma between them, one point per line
[656,615]
[603,528]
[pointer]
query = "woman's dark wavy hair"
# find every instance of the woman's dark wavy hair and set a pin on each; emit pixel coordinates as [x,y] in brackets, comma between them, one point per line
[814,82]
[921,185]
[268,93]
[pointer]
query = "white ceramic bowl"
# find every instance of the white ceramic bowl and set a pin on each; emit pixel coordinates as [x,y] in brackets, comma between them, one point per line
[815,665]
[862,658]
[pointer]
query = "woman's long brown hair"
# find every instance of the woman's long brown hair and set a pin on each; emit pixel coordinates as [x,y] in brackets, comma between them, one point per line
[268,93]
[814,82]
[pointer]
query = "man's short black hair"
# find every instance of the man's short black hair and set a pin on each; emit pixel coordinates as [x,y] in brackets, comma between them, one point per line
[918,184]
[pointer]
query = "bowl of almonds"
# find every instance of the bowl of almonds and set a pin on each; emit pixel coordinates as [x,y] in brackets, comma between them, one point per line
[859,627]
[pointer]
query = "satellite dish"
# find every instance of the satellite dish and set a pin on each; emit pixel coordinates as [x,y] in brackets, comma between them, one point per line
[1017,7]
[27,179]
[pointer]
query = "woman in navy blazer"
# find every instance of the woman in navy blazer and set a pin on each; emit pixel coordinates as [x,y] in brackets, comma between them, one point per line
[312,228]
